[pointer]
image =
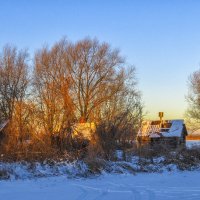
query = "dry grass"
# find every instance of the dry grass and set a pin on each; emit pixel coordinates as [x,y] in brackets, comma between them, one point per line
[193,137]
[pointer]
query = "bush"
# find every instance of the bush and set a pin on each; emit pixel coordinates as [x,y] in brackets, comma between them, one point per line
[4,174]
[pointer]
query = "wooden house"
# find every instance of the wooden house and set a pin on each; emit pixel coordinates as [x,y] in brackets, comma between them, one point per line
[85,130]
[173,131]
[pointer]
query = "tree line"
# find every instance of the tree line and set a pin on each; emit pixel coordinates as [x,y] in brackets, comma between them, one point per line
[65,84]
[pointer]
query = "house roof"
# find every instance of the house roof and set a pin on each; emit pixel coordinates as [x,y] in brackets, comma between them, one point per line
[85,129]
[170,128]
[3,124]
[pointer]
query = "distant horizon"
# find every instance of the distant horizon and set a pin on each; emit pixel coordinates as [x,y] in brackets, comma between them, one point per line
[161,39]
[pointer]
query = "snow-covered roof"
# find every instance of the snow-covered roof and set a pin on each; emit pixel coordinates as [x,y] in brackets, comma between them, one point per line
[168,128]
[3,124]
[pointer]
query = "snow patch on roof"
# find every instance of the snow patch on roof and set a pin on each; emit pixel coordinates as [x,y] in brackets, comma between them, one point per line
[3,124]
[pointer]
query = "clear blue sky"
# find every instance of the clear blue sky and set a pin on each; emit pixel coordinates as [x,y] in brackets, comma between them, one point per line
[161,38]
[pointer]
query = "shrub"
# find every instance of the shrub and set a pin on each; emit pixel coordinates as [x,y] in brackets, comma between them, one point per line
[4,174]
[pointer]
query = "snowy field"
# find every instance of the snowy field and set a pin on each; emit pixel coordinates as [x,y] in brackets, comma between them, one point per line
[166,186]
[174,185]
[192,143]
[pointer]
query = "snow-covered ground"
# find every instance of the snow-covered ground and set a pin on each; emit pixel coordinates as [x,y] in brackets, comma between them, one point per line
[192,143]
[61,181]
[165,186]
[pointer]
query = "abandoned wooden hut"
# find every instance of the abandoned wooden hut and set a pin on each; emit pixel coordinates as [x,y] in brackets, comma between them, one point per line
[173,131]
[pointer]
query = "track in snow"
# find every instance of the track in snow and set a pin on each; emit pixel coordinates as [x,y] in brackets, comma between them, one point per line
[138,193]
[183,186]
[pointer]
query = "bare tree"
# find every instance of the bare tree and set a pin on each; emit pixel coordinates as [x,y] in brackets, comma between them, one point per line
[13,79]
[85,81]
[97,74]
[120,118]
[51,86]
[193,98]
[14,82]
